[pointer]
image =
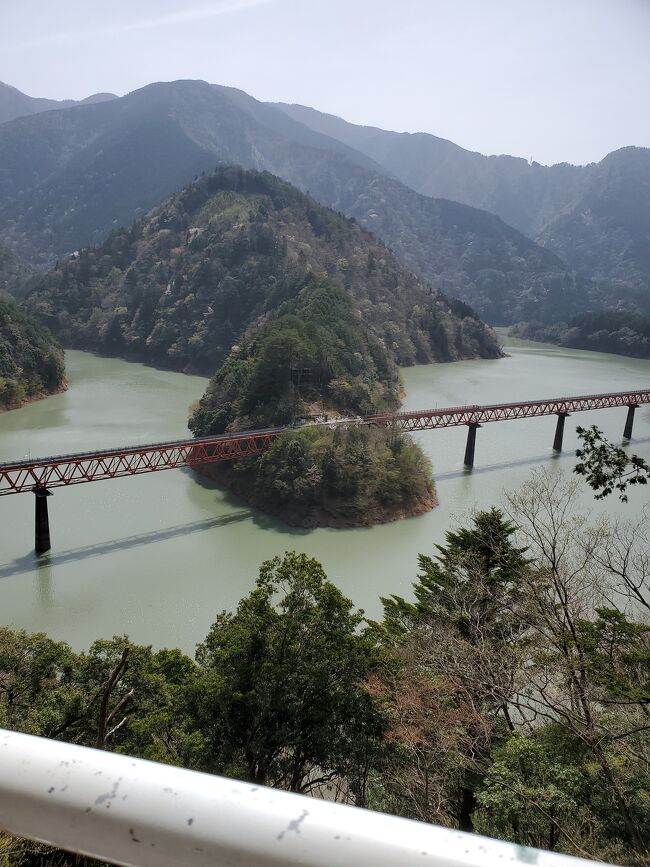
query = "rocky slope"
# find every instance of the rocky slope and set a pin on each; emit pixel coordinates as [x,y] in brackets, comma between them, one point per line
[605,231]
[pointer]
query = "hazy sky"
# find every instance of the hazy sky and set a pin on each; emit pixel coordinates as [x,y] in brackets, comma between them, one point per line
[553,79]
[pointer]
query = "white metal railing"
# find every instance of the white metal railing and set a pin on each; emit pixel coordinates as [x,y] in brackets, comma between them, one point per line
[128,811]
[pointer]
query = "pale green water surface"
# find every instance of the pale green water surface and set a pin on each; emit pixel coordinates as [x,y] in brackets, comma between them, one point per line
[158,556]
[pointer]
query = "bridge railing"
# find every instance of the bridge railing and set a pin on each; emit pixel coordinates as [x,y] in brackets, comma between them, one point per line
[128,811]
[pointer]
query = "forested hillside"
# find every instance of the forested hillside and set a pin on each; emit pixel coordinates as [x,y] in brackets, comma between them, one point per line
[31,360]
[315,356]
[67,178]
[180,287]
[14,271]
[620,333]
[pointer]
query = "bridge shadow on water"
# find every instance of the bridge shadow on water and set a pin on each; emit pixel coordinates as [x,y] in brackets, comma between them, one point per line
[549,457]
[261,520]
[31,562]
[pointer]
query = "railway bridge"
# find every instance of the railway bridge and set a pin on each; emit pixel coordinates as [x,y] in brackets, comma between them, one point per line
[40,475]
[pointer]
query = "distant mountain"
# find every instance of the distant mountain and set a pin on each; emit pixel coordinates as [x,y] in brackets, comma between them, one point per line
[605,232]
[596,217]
[14,103]
[68,177]
[525,195]
[230,250]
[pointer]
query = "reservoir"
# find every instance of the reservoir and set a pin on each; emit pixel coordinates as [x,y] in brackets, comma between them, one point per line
[158,556]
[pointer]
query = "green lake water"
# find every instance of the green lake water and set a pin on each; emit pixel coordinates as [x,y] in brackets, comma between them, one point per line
[158,556]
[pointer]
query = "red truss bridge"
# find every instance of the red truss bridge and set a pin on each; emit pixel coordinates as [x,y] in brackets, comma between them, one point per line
[453,416]
[40,475]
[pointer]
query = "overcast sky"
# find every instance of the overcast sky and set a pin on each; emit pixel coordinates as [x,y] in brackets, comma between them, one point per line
[552,79]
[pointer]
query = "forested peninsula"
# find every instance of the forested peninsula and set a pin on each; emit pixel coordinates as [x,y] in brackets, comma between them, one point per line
[300,311]
[31,360]
[616,332]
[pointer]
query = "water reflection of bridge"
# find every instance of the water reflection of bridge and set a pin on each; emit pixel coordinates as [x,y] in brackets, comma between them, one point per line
[39,475]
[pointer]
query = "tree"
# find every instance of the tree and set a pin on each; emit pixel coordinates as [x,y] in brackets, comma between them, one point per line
[587,665]
[455,659]
[36,681]
[280,699]
[533,796]
[607,467]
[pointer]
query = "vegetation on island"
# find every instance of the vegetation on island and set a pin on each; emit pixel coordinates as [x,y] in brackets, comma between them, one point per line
[314,350]
[509,696]
[316,358]
[606,331]
[31,360]
[318,477]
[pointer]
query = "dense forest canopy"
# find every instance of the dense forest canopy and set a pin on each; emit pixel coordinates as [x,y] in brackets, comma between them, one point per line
[181,286]
[508,696]
[31,360]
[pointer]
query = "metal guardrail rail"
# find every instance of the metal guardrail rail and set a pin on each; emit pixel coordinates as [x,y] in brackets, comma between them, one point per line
[131,812]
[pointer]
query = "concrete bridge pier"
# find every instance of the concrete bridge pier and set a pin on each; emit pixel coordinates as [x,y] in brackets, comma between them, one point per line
[42,520]
[629,422]
[559,431]
[471,444]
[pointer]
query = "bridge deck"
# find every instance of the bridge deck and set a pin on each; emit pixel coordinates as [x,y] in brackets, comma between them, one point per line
[62,470]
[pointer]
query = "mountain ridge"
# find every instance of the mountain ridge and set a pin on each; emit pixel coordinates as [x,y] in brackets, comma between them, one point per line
[14,103]
[68,177]
[554,205]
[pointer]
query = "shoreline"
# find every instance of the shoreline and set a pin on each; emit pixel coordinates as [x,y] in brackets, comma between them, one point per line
[323,516]
[41,395]
[135,358]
